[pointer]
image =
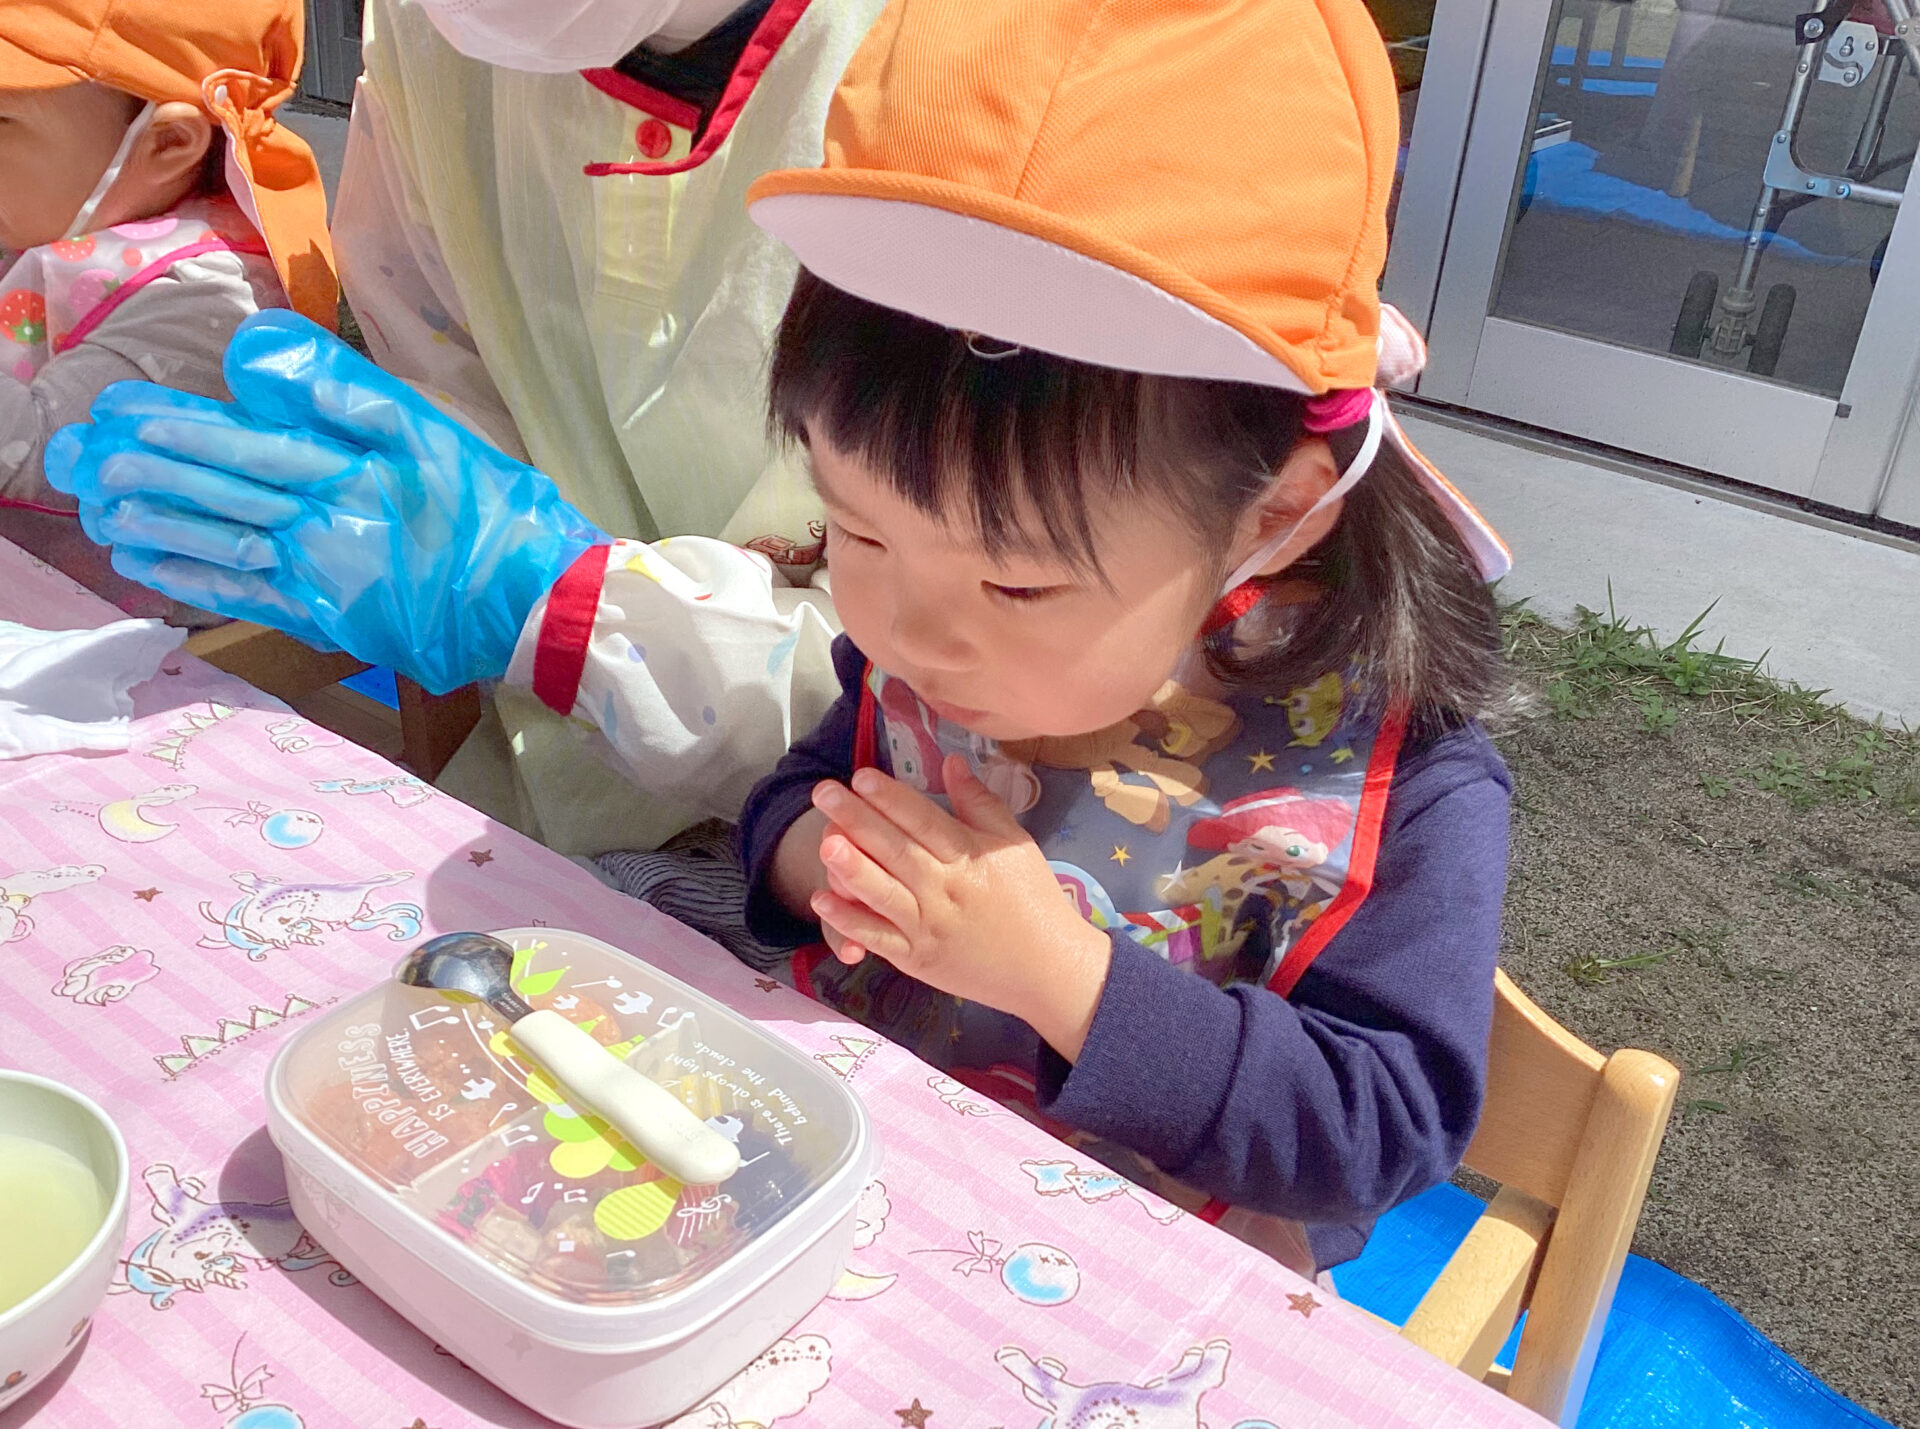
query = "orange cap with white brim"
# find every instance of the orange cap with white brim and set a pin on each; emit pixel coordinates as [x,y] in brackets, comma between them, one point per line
[1192,188]
[238,60]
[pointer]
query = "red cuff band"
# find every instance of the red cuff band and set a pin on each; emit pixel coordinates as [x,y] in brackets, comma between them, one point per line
[560,656]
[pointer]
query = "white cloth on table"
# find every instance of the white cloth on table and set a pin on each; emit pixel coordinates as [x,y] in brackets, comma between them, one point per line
[65,690]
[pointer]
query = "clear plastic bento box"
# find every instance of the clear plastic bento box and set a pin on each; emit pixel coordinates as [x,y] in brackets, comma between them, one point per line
[432,1157]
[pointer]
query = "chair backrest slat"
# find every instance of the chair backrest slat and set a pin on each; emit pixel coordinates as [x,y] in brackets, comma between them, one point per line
[1541,1081]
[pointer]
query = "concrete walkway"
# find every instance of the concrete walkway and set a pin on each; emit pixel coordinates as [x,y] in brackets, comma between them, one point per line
[1827,608]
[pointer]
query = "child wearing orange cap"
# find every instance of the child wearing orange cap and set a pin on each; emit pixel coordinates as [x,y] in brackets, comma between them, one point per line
[1153,799]
[148,205]
[1083,356]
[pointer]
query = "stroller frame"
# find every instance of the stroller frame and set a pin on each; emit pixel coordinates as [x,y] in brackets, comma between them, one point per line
[1720,326]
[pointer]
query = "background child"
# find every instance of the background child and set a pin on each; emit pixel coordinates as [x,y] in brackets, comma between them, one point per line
[123,254]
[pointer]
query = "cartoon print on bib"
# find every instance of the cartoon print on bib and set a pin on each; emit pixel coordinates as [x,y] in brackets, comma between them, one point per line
[918,744]
[1273,843]
[1163,746]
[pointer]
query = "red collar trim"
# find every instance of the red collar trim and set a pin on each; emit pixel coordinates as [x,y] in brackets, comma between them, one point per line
[768,37]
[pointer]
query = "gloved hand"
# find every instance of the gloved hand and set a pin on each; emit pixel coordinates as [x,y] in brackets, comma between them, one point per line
[327,500]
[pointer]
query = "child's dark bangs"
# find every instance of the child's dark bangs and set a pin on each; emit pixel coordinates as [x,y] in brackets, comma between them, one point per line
[1018,441]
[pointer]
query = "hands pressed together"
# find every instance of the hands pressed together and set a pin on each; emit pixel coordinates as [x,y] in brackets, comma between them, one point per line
[964,902]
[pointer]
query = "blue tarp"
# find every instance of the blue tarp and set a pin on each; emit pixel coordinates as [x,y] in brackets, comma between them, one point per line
[1673,1356]
[375,683]
[1563,176]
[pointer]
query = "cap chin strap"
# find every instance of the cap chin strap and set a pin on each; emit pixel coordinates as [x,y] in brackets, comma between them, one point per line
[84,219]
[1349,478]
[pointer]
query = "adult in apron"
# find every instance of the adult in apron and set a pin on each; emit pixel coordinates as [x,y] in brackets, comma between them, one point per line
[555,246]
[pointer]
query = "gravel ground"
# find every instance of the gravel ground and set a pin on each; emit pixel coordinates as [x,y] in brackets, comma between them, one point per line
[1757,859]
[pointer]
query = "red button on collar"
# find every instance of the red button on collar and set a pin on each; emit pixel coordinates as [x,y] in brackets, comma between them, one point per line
[654,138]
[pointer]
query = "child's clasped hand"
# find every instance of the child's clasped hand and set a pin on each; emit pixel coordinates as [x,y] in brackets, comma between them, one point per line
[964,902]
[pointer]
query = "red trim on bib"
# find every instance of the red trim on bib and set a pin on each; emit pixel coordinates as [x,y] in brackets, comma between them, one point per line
[79,332]
[1366,847]
[560,654]
[768,37]
[1234,604]
[866,725]
[805,960]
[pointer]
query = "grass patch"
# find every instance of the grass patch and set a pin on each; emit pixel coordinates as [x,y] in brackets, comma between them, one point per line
[1593,969]
[1740,1059]
[1606,662]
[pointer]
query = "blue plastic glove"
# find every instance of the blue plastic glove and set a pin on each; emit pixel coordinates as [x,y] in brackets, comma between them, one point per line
[327,500]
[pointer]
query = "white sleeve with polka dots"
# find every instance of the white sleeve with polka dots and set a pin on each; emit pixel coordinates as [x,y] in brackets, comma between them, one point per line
[701,668]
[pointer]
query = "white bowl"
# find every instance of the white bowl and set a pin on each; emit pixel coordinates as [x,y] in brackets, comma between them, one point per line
[42,1330]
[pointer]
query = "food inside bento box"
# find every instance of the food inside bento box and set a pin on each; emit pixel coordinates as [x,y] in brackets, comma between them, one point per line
[428,1094]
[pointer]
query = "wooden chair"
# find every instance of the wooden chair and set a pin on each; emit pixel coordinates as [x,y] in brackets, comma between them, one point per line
[423,736]
[1571,1136]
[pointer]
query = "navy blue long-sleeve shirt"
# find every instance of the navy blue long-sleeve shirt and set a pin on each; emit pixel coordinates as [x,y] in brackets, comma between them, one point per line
[1329,1106]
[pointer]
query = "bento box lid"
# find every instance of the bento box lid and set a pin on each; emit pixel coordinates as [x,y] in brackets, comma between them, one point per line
[419,1112]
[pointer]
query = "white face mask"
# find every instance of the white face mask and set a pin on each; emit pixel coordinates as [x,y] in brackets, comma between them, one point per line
[1357,468]
[83,220]
[560,36]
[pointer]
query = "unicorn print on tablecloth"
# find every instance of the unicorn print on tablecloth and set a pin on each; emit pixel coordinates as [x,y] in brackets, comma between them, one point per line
[290,736]
[272,913]
[403,789]
[280,828]
[202,1244]
[1168,1401]
[1066,1178]
[241,1401]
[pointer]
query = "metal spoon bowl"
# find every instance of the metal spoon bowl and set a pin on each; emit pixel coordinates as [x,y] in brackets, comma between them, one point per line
[660,1126]
[477,964]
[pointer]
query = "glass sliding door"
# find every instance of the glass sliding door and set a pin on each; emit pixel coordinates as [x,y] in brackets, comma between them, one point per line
[1678,232]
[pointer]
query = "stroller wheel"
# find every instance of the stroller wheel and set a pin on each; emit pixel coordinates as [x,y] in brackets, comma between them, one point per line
[1696,311]
[1771,331]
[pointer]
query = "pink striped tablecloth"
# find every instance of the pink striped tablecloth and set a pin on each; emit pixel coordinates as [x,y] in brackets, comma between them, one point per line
[145,972]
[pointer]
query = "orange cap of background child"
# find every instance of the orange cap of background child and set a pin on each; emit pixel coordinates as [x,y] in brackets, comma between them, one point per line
[1233,156]
[236,59]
